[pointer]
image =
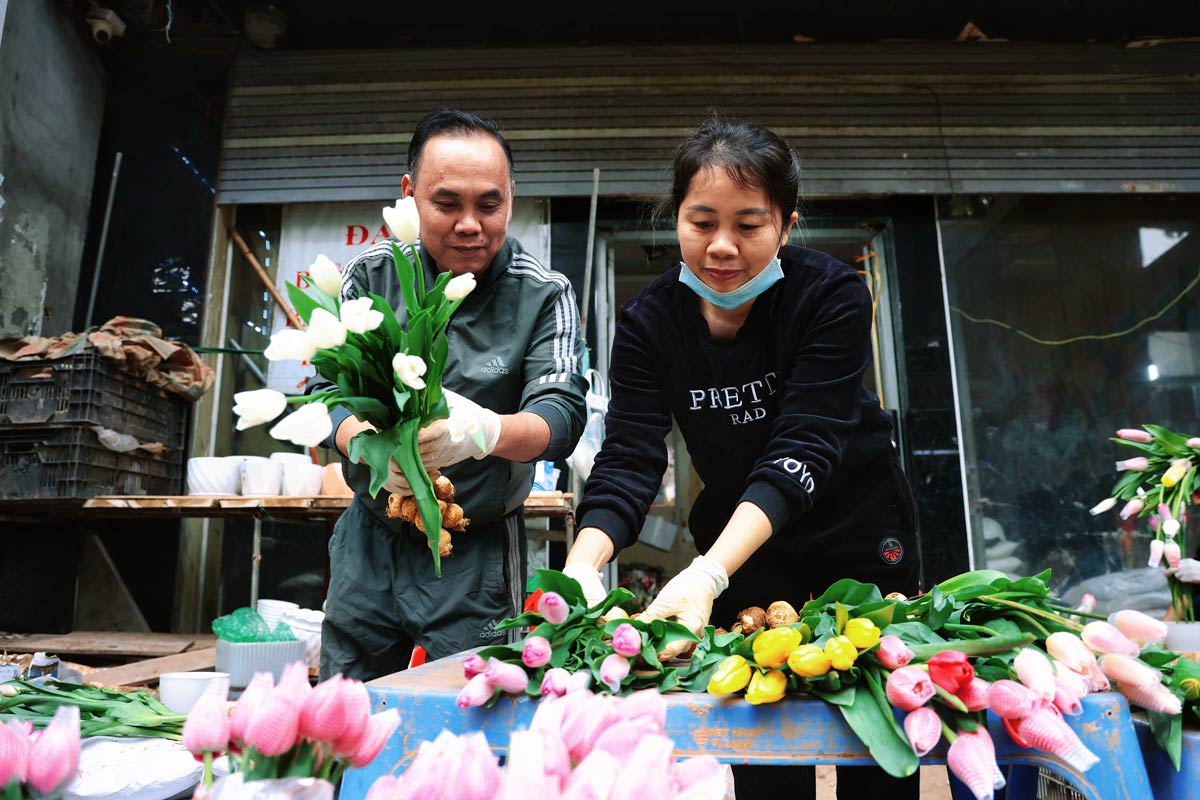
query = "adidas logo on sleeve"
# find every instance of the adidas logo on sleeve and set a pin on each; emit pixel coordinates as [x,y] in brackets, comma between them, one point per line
[496,367]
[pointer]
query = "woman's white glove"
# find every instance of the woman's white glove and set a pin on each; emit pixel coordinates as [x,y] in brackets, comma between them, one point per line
[689,598]
[449,441]
[588,578]
[1188,571]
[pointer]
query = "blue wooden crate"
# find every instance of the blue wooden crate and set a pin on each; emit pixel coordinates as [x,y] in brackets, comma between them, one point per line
[794,731]
[1164,780]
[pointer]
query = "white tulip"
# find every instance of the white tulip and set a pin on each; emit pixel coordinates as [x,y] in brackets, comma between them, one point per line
[290,344]
[1104,505]
[308,426]
[359,317]
[1170,528]
[324,273]
[403,221]
[325,331]
[409,370]
[256,407]
[460,286]
[461,424]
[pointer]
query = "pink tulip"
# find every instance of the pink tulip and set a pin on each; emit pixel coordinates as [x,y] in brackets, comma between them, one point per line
[548,716]
[973,761]
[909,688]
[426,775]
[579,681]
[1139,627]
[323,715]
[1069,649]
[385,787]
[553,608]
[1087,603]
[14,753]
[1131,508]
[1104,638]
[701,772]
[294,683]
[585,717]
[975,694]
[506,677]
[357,707]
[1071,681]
[473,664]
[554,682]
[252,697]
[525,773]
[206,729]
[1134,435]
[1130,671]
[1155,522]
[1010,700]
[923,727]
[1034,670]
[1045,730]
[478,691]
[54,759]
[1155,697]
[594,777]
[1172,553]
[627,641]
[646,705]
[1066,701]
[1097,680]
[476,774]
[622,739]
[1164,512]
[1139,464]
[273,728]
[1194,443]
[536,652]
[893,653]
[1156,552]
[380,727]
[647,773]
[614,669]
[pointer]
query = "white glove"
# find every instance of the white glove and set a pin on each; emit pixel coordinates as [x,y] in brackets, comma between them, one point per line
[398,484]
[589,580]
[689,598]
[1188,571]
[449,441]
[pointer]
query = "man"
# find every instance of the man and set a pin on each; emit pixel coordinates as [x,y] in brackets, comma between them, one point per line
[514,350]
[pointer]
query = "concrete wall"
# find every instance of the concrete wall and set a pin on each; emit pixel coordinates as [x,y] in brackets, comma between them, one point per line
[51,105]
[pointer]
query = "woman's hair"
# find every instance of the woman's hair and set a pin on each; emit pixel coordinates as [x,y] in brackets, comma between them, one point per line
[755,157]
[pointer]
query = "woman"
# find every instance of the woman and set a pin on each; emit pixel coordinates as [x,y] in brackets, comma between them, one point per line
[757,350]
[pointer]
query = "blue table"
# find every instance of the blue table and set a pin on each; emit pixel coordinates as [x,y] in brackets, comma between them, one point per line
[1164,780]
[794,731]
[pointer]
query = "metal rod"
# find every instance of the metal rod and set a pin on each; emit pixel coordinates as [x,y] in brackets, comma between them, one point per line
[112,191]
[591,248]
[266,280]
[255,559]
[248,362]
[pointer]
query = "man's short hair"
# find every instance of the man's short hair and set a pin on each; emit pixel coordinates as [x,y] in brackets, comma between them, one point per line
[452,122]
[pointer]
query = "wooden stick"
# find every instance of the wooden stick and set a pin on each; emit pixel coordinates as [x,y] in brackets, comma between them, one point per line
[262,275]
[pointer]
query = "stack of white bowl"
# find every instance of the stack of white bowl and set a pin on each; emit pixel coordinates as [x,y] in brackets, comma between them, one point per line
[306,624]
[272,611]
[287,474]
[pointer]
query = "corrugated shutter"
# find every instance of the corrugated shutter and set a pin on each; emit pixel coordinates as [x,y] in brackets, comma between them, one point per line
[866,119]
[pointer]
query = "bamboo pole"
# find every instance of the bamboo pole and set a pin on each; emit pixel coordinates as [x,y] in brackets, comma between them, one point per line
[267,282]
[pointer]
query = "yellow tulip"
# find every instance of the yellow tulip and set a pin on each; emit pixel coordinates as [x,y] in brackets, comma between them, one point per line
[862,632]
[766,687]
[771,647]
[731,676]
[841,651]
[1176,472]
[808,661]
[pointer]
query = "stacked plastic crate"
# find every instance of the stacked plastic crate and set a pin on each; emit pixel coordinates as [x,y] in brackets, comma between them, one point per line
[52,415]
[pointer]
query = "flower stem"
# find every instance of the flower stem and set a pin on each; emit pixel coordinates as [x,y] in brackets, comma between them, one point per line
[208,759]
[950,735]
[1071,612]
[1066,623]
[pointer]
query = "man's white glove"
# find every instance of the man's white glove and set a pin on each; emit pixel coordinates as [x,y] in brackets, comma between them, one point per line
[449,441]
[588,578]
[689,598]
[1188,571]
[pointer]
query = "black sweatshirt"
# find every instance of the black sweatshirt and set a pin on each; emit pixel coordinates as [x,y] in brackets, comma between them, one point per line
[778,416]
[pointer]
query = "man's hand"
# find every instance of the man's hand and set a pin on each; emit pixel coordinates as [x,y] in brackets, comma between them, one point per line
[689,598]
[1188,571]
[588,578]
[449,441]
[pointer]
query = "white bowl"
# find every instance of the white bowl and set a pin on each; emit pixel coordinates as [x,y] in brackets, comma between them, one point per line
[302,480]
[262,478]
[291,458]
[179,691]
[213,476]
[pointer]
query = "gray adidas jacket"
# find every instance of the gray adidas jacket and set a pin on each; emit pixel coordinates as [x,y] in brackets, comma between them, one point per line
[514,346]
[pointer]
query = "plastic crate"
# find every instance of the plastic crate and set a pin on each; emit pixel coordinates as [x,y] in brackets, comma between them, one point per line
[69,462]
[84,389]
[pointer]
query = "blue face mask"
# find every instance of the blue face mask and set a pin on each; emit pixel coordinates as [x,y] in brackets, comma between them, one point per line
[735,297]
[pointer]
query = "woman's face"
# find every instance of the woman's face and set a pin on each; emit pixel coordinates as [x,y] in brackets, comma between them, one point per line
[728,233]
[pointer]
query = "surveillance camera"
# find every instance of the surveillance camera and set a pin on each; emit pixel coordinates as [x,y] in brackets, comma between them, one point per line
[105,24]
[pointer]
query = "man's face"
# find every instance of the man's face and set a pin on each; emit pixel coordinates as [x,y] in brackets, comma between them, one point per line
[464,194]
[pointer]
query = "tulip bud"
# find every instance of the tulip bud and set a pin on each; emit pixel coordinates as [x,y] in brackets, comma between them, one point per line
[909,688]
[732,675]
[14,754]
[893,653]
[1034,670]
[536,652]
[841,652]
[206,729]
[1191,688]
[472,665]
[1087,603]
[1156,552]
[1194,443]
[973,762]
[275,725]
[554,682]
[1155,697]
[307,427]
[1106,504]
[1045,730]
[323,714]
[54,757]
[356,703]
[1074,682]
[553,607]
[1010,700]
[478,691]
[1175,472]
[809,661]
[974,695]
[627,641]
[923,727]
[1066,701]
[1131,671]
[766,687]
[409,370]
[1134,435]
[614,669]
[506,677]
[290,344]
[325,331]
[1131,508]
[403,221]
[1139,627]
[1104,638]
[251,698]
[1139,464]
[359,317]
[1172,552]
[1170,528]
[258,406]
[771,648]
[862,632]
[325,276]
[950,670]
[379,729]
[1066,647]
[460,286]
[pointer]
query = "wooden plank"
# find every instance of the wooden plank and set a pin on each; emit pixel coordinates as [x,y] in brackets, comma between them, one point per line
[149,670]
[109,643]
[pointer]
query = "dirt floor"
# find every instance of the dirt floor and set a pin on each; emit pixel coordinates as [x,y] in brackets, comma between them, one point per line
[934,784]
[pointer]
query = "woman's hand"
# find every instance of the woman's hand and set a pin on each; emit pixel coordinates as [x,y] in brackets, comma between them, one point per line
[689,598]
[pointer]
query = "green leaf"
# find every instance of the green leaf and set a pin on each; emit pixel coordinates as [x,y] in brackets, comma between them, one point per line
[303,304]
[842,697]
[367,409]
[847,591]
[1175,444]
[324,300]
[405,276]
[375,448]
[408,457]
[874,728]
[913,633]
[401,399]
[549,580]
[970,581]
[1168,732]
[519,621]
[840,617]
[390,327]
